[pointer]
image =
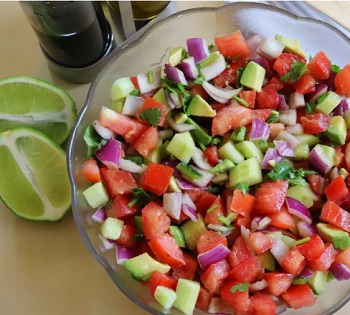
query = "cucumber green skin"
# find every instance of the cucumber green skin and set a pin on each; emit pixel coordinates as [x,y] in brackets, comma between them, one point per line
[188,171]
[199,133]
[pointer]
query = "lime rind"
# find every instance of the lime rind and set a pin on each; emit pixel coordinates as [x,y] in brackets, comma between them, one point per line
[48,205]
[34,103]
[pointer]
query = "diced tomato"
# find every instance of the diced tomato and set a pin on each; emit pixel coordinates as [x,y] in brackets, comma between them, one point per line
[239,252]
[283,63]
[249,96]
[194,194]
[238,300]
[155,220]
[313,248]
[298,296]
[320,66]
[315,123]
[229,75]
[337,190]
[325,260]
[91,171]
[275,128]
[203,299]
[233,46]
[147,141]
[242,221]
[142,247]
[262,114]
[306,84]
[216,211]
[282,219]
[342,81]
[241,203]
[267,97]
[248,270]
[167,251]
[209,240]
[231,117]
[135,82]
[187,271]
[270,196]
[198,89]
[277,83]
[161,279]
[294,262]
[278,282]
[332,213]
[317,183]
[211,153]
[343,257]
[119,208]
[126,237]
[339,159]
[152,104]
[213,277]
[262,304]
[117,181]
[261,242]
[157,178]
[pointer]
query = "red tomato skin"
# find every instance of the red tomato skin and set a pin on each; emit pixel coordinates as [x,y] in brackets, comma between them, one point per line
[233,46]
[333,214]
[210,239]
[238,300]
[126,236]
[150,103]
[294,262]
[282,219]
[119,208]
[313,248]
[270,196]
[343,257]
[198,89]
[317,183]
[161,279]
[157,178]
[204,202]
[213,277]
[187,271]
[337,191]
[117,181]
[267,98]
[239,252]
[306,84]
[298,296]
[203,299]
[155,220]
[147,141]
[283,63]
[262,304]
[249,270]
[213,216]
[261,242]
[277,83]
[342,81]
[262,114]
[278,282]
[320,66]
[249,96]
[315,123]
[242,204]
[211,153]
[229,75]
[325,260]
[91,171]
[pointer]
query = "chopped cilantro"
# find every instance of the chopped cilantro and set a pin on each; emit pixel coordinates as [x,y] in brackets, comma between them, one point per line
[150,76]
[211,46]
[199,80]
[151,115]
[240,100]
[216,190]
[184,54]
[335,68]
[238,135]
[93,141]
[240,287]
[244,187]
[284,170]
[215,141]
[178,89]
[139,197]
[295,73]
[212,208]
[135,92]
[310,107]
[274,116]
[239,75]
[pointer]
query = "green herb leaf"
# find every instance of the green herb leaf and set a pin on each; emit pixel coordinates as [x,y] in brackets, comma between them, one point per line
[151,115]
[238,135]
[335,68]
[244,187]
[199,80]
[211,46]
[240,287]
[310,107]
[139,197]
[93,140]
[274,116]
[295,73]
[135,92]
[240,100]
[239,76]
[178,89]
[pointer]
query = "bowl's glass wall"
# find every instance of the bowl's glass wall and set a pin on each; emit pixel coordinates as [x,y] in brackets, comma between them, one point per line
[150,49]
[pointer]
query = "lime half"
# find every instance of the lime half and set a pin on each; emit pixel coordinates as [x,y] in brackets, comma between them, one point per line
[30,102]
[34,181]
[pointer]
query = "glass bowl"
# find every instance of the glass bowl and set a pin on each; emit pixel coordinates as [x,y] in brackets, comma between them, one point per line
[150,48]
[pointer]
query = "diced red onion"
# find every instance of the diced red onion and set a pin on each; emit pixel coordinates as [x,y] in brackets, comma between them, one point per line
[319,160]
[175,74]
[288,118]
[306,273]
[221,95]
[330,81]
[245,233]
[320,89]
[123,253]
[259,223]
[214,69]
[130,166]
[253,43]
[111,153]
[270,48]
[132,105]
[184,184]
[170,101]
[197,48]
[182,127]
[186,200]
[282,103]
[103,131]
[263,62]
[100,215]
[175,100]
[218,306]
[144,85]
[260,130]
[341,108]
[297,208]
[172,204]
[296,129]
[270,155]
[333,173]
[212,256]
[305,229]
[199,159]
[279,250]
[283,148]
[281,308]
[259,285]
[173,164]
[190,212]
[107,244]
[296,100]
[189,69]
[203,181]
[286,136]
[340,271]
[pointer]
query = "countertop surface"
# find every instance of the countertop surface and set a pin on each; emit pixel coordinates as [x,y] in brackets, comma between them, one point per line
[45,267]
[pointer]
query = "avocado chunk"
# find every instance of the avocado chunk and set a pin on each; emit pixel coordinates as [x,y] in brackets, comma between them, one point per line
[304,194]
[291,45]
[121,88]
[248,171]
[337,129]
[339,238]
[253,76]
[199,107]
[175,55]
[161,98]
[141,267]
[182,146]
[327,104]
[267,261]
[318,281]
[176,233]
[199,133]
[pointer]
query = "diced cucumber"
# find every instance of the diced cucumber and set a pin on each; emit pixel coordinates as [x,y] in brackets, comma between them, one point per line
[182,146]
[121,88]
[330,102]
[111,228]
[199,133]
[138,223]
[304,194]
[165,296]
[318,281]
[192,230]
[176,233]
[263,145]
[180,118]
[329,151]
[187,293]
[96,195]
[118,105]
[228,151]
[337,130]
[248,149]
[156,155]
[188,171]
[310,140]
[248,171]
[136,158]
[220,178]
[223,166]
[302,151]
[267,261]
[289,241]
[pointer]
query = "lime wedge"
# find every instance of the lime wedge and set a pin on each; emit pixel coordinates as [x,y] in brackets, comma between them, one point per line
[34,181]
[30,102]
